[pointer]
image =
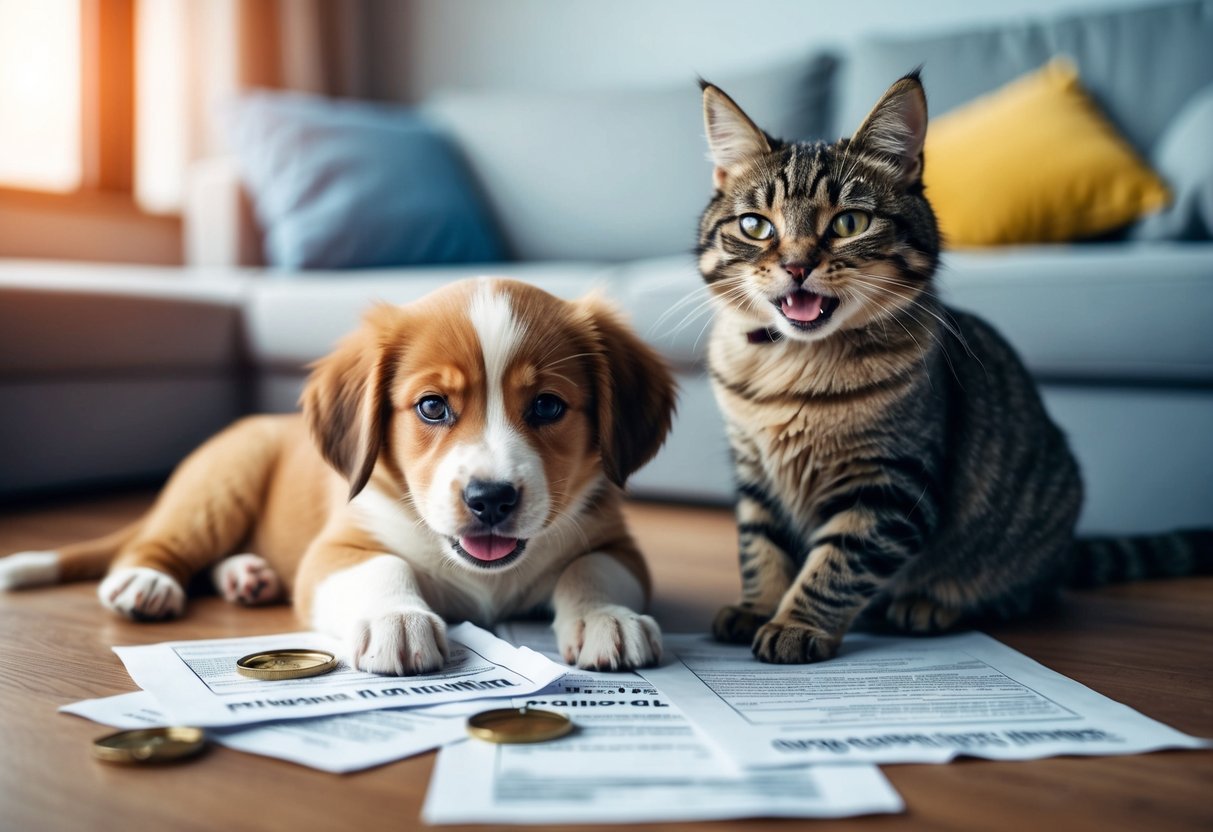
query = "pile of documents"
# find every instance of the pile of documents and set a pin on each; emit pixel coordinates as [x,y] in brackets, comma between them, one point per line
[711,734]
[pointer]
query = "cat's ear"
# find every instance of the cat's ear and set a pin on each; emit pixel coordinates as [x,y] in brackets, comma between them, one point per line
[897,127]
[733,139]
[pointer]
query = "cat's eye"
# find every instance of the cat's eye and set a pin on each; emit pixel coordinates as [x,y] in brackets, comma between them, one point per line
[850,223]
[546,409]
[756,227]
[434,410]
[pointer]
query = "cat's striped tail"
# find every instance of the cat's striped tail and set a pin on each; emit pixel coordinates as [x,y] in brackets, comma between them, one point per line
[1109,560]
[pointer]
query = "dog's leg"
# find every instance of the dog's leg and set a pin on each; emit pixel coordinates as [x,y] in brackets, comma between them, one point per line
[371,601]
[596,625]
[246,579]
[207,508]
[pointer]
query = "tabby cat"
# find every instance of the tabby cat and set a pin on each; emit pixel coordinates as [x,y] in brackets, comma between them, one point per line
[892,455]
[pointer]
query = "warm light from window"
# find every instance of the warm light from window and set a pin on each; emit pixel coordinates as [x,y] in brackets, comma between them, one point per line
[40,94]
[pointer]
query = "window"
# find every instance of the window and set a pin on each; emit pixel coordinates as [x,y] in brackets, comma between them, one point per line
[67,134]
[41,144]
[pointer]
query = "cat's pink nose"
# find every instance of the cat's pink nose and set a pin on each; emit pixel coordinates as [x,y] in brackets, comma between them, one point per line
[799,271]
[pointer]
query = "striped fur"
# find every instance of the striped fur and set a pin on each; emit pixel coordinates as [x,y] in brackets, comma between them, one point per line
[892,455]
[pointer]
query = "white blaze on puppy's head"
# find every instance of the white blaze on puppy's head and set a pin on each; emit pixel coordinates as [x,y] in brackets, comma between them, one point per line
[498,470]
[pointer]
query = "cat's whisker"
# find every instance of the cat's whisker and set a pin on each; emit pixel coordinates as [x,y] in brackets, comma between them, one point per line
[891,315]
[690,297]
[736,294]
[948,323]
[915,303]
[908,310]
[695,312]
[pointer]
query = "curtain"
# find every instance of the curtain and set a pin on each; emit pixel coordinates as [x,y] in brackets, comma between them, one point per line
[191,56]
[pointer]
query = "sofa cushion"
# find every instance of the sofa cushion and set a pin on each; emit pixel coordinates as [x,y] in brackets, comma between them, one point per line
[1185,161]
[112,373]
[613,174]
[1034,162]
[342,184]
[1111,312]
[1140,64]
[667,302]
[101,428]
[290,324]
[69,319]
[1118,312]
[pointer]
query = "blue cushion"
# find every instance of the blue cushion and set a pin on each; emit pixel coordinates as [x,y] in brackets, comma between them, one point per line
[1183,158]
[340,184]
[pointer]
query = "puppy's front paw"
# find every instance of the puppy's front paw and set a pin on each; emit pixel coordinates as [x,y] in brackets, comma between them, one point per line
[737,624]
[402,643]
[246,579]
[609,638]
[142,593]
[790,642]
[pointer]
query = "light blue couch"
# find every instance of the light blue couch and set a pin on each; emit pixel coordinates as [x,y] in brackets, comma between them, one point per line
[114,373]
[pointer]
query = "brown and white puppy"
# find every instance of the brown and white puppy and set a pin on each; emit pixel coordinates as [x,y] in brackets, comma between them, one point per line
[476,443]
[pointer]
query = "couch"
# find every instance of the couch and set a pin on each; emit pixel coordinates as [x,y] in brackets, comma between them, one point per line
[112,373]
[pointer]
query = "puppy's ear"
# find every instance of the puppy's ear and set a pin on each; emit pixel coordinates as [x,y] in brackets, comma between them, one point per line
[347,401]
[635,393]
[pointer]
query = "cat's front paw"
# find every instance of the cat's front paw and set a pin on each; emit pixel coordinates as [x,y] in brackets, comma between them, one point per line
[921,615]
[609,638]
[737,624]
[790,642]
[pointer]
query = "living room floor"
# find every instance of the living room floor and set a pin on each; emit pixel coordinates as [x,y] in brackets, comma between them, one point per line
[1146,645]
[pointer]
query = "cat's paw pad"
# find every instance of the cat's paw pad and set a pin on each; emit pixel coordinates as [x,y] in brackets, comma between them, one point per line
[790,642]
[737,624]
[403,643]
[246,579]
[609,638]
[921,615]
[142,593]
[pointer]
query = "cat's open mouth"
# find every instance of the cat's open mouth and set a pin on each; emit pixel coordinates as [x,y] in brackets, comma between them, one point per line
[807,310]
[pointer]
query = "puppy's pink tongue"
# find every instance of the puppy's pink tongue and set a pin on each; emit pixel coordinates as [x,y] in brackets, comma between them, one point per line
[802,306]
[488,546]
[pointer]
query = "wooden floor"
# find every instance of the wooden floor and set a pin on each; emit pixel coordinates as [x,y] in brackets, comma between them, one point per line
[1148,645]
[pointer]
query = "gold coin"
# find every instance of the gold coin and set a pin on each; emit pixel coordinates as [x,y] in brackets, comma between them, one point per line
[518,725]
[149,745]
[274,665]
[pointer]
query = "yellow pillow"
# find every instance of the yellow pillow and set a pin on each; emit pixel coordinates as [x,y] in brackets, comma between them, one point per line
[1034,162]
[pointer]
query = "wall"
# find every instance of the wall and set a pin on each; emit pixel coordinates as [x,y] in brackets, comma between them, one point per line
[105,227]
[424,45]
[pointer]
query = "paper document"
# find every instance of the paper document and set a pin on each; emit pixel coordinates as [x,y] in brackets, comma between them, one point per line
[196,683]
[342,743]
[633,757]
[898,700]
[540,638]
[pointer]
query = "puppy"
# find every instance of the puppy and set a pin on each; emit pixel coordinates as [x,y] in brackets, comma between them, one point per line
[457,458]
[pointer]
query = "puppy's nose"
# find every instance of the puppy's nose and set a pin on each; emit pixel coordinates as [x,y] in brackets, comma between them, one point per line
[800,270]
[490,502]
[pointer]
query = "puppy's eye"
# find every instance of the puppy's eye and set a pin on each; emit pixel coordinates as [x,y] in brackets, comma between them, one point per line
[433,410]
[546,409]
[850,223]
[756,227]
